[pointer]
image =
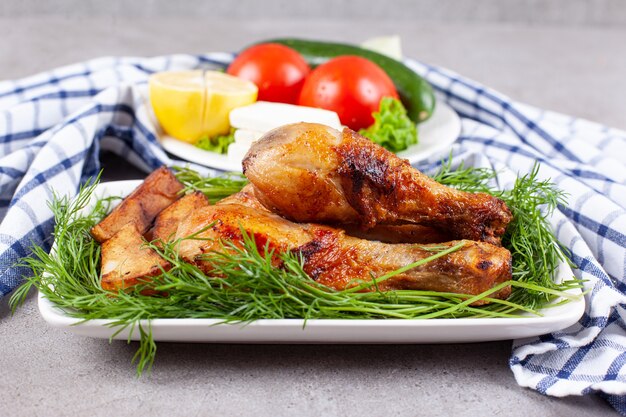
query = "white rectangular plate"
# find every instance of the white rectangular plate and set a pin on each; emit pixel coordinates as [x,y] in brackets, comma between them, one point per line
[328,331]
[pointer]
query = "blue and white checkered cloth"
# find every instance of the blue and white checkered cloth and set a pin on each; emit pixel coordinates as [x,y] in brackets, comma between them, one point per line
[53,126]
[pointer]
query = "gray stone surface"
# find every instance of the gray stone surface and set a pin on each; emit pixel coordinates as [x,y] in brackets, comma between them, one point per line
[47,371]
[555,12]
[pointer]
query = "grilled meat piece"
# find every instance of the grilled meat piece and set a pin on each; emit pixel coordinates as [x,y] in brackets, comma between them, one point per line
[125,261]
[158,191]
[338,261]
[166,223]
[313,173]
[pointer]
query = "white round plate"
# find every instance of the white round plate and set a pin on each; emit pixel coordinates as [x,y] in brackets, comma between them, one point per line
[436,135]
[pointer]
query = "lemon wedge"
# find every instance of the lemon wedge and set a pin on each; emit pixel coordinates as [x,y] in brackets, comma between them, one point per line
[193,104]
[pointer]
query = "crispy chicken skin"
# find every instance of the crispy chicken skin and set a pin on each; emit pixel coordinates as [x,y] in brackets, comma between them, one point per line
[166,223]
[126,261]
[337,260]
[313,173]
[158,191]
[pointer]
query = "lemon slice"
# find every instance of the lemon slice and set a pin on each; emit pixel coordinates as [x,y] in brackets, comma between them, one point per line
[193,104]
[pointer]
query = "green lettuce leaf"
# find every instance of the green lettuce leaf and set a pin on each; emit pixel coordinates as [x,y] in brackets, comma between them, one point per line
[392,128]
[218,144]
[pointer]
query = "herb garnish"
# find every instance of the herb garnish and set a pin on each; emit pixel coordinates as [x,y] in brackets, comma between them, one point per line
[218,144]
[392,128]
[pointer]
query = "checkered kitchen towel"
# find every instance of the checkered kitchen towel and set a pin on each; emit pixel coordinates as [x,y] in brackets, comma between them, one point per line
[53,125]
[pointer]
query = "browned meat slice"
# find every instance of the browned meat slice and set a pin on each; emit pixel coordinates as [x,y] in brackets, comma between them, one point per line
[125,262]
[159,190]
[337,260]
[313,173]
[166,223]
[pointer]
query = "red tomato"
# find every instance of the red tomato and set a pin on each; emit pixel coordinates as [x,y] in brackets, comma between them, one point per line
[277,70]
[349,85]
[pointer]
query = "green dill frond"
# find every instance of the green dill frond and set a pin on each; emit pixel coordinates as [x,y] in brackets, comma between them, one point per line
[215,188]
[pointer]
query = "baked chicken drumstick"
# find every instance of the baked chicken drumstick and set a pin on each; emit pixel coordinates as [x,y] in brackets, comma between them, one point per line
[337,260]
[313,173]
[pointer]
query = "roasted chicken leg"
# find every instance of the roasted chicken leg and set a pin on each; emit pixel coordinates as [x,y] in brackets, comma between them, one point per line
[313,173]
[340,261]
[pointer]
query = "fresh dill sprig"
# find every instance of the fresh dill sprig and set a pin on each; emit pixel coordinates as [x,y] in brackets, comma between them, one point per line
[536,251]
[77,263]
[246,285]
[470,179]
[215,188]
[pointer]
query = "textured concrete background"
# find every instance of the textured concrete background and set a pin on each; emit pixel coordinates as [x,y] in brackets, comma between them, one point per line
[564,55]
[557,12]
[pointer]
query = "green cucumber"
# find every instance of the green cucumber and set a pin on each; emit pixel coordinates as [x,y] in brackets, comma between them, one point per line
[415,92]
